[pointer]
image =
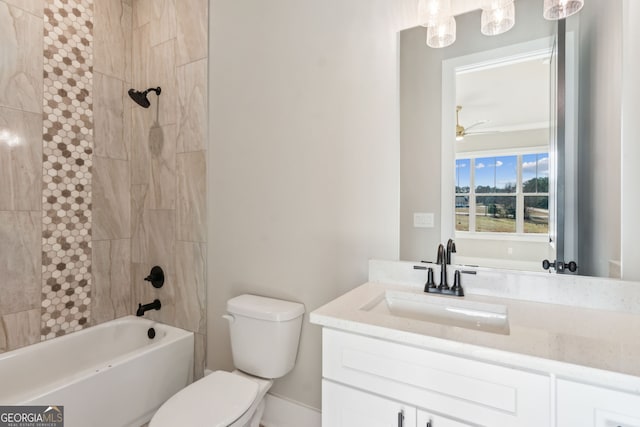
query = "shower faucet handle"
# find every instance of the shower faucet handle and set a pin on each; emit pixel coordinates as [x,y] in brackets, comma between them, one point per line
[156,277]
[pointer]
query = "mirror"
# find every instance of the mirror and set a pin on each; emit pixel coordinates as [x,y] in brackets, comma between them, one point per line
[593,197]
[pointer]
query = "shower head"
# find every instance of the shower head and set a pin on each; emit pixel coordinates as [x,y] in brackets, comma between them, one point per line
[140,98]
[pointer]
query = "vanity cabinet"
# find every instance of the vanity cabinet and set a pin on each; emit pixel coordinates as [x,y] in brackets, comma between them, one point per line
[590,406]
[368,379]
[428,419]
[348,407]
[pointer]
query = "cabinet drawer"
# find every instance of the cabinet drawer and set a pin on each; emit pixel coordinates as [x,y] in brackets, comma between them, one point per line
[480,393]
[590,406]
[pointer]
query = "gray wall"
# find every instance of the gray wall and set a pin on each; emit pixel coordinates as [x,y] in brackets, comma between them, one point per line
[303,161]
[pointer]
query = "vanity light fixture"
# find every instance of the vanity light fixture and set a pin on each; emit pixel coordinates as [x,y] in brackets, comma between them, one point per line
[442,34]
[432,12]
[498,16]
[560,9]
[497,19]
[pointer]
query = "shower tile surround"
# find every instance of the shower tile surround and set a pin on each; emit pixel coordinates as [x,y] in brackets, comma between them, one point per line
[99,189]
[67,159]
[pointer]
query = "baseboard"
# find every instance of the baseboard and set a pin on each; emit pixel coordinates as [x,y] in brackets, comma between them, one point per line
[281,412]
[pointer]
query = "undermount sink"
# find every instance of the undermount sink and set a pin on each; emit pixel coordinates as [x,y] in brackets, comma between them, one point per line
[442,310]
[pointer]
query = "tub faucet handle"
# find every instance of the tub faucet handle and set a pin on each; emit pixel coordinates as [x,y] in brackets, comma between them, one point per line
[156,277]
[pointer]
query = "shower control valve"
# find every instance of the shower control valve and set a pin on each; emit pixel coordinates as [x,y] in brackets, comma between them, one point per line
[156,277]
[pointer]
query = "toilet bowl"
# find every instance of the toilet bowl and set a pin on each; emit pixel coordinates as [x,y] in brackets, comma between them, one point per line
[264,333]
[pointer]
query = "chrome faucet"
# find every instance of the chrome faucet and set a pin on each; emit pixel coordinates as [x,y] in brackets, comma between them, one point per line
[451,248]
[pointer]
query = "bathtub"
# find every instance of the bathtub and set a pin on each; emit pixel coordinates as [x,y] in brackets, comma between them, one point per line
[110,375]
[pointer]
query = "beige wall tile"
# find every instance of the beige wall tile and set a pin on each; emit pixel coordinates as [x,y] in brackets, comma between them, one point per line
[162,69]
[111,290]
[111,199]
[191,286]
[192,30]
[109,120]
[110,31]
[20,160]
[161,143]
[140,154]
[35,7]
[192,108]
[138,194]
[154,241]
[160,15]
[21,81]
[199,356]
[140,58]
[21,328]
[20,260]
[191,206]
[153,159]
[127,23]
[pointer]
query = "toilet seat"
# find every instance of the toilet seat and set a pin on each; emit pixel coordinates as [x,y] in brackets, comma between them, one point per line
[216,400]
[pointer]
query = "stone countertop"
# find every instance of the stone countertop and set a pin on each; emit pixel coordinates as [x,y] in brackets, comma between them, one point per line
[590,345]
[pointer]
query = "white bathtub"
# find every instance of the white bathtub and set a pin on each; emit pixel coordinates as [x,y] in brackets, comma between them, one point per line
[109,375]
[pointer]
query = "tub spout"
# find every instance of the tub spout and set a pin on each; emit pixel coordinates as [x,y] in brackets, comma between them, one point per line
[142,308]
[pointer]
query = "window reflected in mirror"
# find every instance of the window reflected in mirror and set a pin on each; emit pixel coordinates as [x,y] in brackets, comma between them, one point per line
[503,193]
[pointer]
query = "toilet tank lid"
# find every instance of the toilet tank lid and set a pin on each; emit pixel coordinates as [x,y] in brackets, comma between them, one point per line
[264,308]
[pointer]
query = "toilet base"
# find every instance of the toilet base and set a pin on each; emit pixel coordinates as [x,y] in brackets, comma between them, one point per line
[257,416]
[257,409]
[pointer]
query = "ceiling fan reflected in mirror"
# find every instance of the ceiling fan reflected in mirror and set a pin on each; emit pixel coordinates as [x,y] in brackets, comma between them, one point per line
[462,131]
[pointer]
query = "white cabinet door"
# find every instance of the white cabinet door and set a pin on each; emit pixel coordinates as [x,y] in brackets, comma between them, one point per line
[479,393]
[590,406]
[349,407]
[426,419]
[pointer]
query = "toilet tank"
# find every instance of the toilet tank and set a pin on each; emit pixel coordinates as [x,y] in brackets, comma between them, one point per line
[265,333]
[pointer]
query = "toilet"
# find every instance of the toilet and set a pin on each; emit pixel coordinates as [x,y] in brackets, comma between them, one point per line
[264,343]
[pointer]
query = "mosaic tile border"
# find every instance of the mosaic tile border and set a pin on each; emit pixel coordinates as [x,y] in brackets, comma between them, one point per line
[67,160]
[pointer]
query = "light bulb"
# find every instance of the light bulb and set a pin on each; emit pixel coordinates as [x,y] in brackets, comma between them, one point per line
[560,9]
[442,34]
[430,12]
[494,4]
[499,20]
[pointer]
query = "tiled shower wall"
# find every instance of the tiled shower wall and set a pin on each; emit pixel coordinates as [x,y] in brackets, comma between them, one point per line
[67,157]
[168,161]
[133,178]
[62,75]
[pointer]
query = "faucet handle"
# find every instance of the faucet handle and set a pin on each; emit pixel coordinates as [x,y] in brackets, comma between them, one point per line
[431,284]
[457,285]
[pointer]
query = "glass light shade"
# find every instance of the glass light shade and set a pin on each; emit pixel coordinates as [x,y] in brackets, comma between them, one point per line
[498,21]
[430,12]
[494,4]
[560,9]
[443,33]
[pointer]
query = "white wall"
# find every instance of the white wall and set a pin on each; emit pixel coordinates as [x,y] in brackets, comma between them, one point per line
[630,151]
[599,133]
[304,158]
